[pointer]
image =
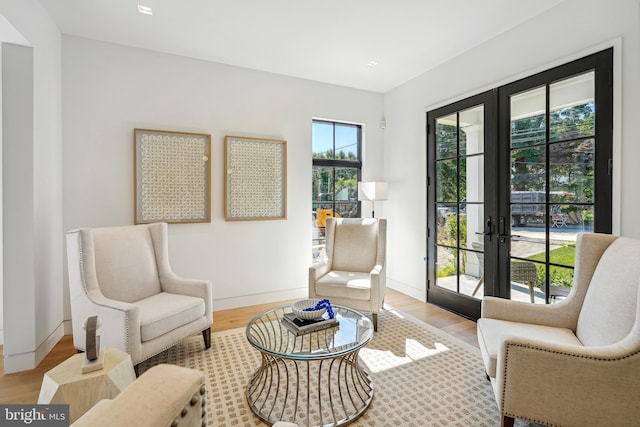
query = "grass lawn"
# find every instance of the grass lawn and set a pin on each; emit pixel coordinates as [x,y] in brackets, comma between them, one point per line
[559,276]
[564,255]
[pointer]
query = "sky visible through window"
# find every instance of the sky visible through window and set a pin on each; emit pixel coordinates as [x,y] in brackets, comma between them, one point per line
[346,138]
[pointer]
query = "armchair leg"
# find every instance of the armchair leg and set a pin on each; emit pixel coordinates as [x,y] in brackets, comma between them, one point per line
[507,421]
[206,334]
[375,321]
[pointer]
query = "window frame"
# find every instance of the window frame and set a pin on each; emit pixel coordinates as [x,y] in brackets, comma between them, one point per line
[335,164]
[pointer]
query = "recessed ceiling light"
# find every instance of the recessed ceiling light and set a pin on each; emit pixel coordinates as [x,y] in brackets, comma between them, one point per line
[372,63]
[146,10]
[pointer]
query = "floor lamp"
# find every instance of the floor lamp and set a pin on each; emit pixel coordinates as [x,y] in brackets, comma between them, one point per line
[372,191]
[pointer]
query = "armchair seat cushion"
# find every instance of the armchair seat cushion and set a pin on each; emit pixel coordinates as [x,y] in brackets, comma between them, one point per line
[164,312]
[345,284]
[492,334]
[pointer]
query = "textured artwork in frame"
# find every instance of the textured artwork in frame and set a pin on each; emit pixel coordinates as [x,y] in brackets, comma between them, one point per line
[255,179]
[173,176]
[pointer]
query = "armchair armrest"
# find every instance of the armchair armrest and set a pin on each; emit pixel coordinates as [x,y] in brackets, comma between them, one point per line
[316,271]
[378,284]
[192,287]
[120,322]
[558,315]
[566,384]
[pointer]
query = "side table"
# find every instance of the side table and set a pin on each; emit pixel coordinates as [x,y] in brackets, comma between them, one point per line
[67,384]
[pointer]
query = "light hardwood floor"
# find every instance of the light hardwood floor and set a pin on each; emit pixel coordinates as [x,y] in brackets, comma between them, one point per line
[24,387]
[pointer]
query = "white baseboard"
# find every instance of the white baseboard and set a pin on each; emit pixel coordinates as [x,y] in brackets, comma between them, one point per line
[419,294]
[255,299]
[68,327]
[1,336]
[268,297]
[29,360]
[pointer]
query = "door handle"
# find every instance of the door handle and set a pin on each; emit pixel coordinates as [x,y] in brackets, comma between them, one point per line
[487,229]
[502,235]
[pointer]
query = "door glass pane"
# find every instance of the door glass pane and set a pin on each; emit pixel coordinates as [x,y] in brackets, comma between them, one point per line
[528,169]
[572,108]
[571,171]
[446,137]
[447,230]
[447,268]
[560,279]
[472,131]
[528,119]
[473,189]
[447,180]
[474,213]
[524,281]
[471,271]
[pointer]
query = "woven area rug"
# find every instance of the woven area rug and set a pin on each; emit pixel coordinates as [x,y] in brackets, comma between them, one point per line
[421,376]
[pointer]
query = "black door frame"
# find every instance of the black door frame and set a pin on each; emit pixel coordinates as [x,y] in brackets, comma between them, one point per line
[496,152]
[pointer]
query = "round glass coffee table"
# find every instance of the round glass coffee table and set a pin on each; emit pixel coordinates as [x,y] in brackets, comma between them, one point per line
[314,379]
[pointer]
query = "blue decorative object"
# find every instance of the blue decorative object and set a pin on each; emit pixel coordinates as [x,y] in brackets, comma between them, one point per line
[323,303]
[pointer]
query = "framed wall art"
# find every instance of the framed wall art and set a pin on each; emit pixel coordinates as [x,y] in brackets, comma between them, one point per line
[173,176]
[255,179]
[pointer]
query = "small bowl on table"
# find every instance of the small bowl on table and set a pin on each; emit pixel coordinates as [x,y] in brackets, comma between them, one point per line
[299,307]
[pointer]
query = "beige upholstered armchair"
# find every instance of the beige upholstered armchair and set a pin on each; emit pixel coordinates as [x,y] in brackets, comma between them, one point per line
[122,275]
[353,272]
[577,362]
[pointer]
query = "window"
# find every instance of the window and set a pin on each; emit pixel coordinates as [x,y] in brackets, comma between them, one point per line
[336,171]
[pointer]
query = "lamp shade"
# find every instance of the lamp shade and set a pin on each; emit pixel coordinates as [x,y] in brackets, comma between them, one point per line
[374,190]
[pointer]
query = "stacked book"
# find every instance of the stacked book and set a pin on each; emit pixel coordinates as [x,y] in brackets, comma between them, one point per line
[302,326]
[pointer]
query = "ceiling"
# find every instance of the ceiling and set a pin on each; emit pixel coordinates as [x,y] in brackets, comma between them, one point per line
[332,41]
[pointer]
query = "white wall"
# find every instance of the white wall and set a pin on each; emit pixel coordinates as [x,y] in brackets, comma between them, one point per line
[32,303]
[109,90]
[570,30]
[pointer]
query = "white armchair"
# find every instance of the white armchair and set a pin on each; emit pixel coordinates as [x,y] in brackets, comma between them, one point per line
[577,362]
[123,276]
[353,272]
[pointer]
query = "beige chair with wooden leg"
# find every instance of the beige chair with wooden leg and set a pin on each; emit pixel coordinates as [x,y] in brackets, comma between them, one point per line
[353,272]
[123,276]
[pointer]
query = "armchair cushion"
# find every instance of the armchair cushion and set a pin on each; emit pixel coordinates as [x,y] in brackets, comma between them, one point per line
[164,312]
[494,332]
[345,284]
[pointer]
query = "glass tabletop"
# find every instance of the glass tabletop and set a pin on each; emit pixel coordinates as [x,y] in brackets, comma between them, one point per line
[267,333]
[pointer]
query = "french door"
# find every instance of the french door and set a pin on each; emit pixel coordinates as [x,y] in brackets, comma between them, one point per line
[461,153]
[514,174]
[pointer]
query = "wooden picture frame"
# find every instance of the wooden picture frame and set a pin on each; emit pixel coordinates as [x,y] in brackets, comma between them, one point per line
[255,179]
[172,173]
